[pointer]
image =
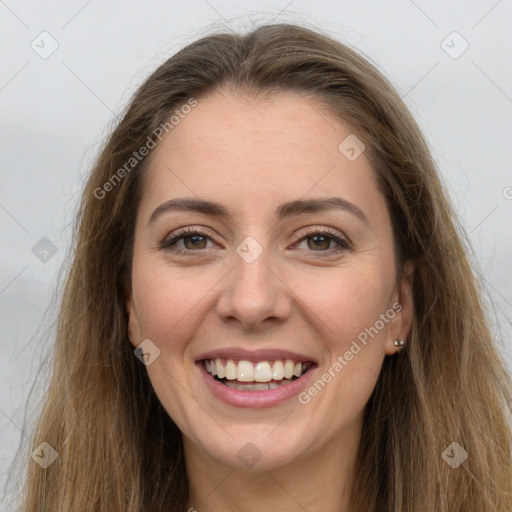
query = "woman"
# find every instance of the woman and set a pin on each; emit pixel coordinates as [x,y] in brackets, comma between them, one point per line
[270,306]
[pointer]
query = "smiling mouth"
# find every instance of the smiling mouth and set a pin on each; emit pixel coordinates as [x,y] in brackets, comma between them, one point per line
[244,375]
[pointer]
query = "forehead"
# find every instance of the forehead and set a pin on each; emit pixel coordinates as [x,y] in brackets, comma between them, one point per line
[253,153]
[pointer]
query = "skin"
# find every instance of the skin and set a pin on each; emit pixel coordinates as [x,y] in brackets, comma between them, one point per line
[251,155]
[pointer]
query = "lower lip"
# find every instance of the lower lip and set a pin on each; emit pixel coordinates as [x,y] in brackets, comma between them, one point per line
[255,399]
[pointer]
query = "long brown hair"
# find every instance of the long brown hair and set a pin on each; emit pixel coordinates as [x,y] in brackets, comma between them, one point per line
[118,448]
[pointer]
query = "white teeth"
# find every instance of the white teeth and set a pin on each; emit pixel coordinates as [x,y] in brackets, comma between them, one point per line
[261,372]
[230,370]
[289,367]
[221,372]
[278,370]
[245,371]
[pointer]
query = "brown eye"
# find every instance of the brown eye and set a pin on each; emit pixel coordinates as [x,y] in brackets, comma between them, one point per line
[323,242]
[187,242]
[195,242]
[319,242]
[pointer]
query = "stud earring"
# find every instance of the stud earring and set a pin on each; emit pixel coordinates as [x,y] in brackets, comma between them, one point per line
[399,343]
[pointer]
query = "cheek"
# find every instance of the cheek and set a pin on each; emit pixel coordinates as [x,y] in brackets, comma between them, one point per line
[349,306]
[170,303]
[346,301]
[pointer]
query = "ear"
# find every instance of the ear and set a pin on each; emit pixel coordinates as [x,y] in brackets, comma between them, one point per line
[134,326]
[403,305]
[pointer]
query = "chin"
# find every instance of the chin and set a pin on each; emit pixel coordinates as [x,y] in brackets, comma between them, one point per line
[252,447]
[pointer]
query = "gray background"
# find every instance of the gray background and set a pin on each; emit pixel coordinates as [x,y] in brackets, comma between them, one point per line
[55,111]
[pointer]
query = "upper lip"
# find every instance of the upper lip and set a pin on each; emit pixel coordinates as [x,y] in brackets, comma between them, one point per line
[254,355]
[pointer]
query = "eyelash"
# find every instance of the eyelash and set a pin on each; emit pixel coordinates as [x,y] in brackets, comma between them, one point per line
[168,243]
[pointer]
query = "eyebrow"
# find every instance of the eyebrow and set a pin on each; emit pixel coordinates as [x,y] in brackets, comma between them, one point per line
[288,209]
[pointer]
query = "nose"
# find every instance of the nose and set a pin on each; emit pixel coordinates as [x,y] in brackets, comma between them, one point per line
[254,296]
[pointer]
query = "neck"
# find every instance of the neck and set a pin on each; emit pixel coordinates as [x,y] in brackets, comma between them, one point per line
[319,481]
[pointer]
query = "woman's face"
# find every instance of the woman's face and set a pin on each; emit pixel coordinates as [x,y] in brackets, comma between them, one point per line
[260,244]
